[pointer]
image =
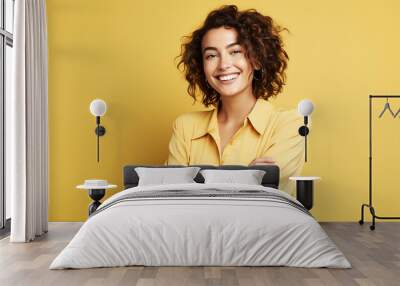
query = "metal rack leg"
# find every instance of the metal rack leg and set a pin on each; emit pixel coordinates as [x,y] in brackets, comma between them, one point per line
[361,221]
[372,210]
[374,216]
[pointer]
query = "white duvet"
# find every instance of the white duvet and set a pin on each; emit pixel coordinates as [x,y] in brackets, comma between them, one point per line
[200,231]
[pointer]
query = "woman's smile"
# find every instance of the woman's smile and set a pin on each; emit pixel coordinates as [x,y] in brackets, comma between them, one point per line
[227,78]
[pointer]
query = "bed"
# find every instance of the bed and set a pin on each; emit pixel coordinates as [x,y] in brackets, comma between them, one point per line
[201,224]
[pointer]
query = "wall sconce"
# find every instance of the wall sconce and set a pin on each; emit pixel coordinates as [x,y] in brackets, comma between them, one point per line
[98,108]
[305,108]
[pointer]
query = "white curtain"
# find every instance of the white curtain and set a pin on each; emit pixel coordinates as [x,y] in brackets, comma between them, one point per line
[27,124]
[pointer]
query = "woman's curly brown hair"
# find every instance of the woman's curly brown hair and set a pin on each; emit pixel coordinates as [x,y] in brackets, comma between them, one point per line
[260,37]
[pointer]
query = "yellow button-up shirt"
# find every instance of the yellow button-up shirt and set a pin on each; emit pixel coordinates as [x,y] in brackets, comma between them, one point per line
[266,132]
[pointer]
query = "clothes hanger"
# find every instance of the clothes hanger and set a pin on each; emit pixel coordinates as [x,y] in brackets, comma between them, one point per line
[397,113]
[387,107]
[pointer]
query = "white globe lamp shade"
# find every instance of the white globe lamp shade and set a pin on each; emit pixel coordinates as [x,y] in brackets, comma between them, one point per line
[305,107]
[98,107]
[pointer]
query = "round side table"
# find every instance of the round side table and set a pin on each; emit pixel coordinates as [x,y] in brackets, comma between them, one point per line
[304,190]
[96,193]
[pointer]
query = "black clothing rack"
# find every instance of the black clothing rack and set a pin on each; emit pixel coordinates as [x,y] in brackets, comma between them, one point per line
[370,206]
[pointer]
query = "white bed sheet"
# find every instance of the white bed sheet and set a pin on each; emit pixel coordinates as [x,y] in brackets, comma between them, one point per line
[202,232]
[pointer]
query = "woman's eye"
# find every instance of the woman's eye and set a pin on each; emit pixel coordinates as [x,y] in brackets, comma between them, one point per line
[210,57]
[236,52]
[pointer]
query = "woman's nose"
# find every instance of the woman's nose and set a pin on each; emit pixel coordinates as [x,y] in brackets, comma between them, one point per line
[225,62]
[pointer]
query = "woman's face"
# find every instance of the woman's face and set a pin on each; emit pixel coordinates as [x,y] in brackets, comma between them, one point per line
[226,67]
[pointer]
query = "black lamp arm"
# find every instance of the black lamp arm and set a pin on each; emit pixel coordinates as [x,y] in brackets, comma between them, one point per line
[100,131]
[303,131]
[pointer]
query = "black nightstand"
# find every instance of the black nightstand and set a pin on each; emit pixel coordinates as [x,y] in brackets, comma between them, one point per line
[305,190]
[96,192]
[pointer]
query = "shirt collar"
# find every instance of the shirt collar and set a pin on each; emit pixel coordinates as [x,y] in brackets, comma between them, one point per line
[207,126]
[258,117]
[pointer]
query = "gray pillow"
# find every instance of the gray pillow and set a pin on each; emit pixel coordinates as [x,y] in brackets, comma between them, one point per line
[248,177]
[163,176]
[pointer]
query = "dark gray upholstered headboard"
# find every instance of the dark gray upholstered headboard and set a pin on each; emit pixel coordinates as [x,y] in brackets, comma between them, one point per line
[271,177]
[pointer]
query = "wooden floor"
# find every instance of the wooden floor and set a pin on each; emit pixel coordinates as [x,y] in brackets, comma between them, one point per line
[375,256]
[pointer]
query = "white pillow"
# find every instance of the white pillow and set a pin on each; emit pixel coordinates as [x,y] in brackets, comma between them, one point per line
[162,176]
[248,177]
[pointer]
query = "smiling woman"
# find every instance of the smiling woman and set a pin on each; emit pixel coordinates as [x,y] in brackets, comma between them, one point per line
[237,62]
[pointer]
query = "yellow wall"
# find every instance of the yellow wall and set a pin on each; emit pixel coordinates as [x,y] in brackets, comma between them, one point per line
[123,52]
